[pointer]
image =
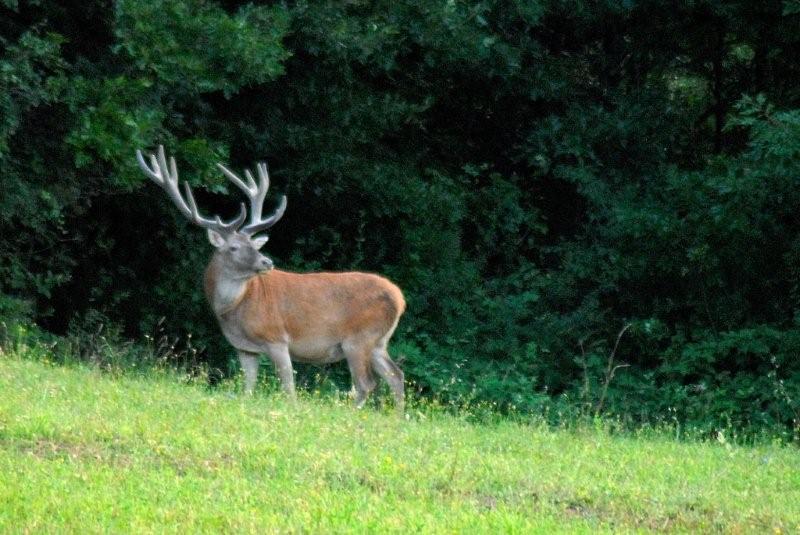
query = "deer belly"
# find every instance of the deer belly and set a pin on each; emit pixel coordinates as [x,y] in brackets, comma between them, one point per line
[316,351]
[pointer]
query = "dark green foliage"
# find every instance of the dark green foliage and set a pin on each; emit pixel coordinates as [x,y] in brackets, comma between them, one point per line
[534,175]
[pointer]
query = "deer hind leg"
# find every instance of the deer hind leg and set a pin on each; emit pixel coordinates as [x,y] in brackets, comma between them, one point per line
[391,373]
[361,372]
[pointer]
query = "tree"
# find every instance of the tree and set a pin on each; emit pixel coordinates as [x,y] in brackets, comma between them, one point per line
[532,174]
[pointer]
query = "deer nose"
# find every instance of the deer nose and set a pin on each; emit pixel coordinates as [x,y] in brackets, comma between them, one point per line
[265,264]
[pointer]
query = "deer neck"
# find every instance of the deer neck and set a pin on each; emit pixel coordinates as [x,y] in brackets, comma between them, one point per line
[224,290]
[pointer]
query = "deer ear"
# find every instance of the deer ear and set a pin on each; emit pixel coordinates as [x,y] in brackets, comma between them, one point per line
[215,238]
[258,243]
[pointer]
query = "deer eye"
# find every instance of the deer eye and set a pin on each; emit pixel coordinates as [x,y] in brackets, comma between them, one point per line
[234,248]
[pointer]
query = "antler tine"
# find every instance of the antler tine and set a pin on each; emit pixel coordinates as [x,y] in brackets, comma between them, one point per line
[251,182]
[256,194]
[217,223]
[247,188]
[253,228]
[167,177]
[263,187]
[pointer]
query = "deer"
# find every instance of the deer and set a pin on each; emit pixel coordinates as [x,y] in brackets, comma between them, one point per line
[317,318]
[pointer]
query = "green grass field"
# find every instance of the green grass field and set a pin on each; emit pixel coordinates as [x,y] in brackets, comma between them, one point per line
[83,451]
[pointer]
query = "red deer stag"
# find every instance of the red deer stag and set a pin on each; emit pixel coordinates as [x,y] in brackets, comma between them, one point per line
[316,318]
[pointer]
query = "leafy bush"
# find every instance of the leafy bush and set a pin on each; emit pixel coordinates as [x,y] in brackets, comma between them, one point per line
[533,175]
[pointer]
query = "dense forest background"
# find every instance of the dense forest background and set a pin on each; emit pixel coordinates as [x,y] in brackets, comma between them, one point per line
[591,205]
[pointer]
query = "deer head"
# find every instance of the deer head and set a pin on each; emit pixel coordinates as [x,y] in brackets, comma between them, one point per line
[236,243]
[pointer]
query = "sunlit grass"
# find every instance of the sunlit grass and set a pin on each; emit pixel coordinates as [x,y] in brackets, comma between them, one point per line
[83,451]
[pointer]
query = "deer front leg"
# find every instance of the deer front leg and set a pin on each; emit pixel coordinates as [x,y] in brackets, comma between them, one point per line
[279,354]
[249,362]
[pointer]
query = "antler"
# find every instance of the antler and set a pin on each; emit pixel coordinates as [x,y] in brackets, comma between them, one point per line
[167,178]
[256,194]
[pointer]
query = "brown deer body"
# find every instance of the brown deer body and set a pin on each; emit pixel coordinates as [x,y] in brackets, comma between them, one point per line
[316,318]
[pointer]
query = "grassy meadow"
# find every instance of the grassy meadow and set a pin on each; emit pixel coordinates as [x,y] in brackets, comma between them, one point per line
[87,451]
